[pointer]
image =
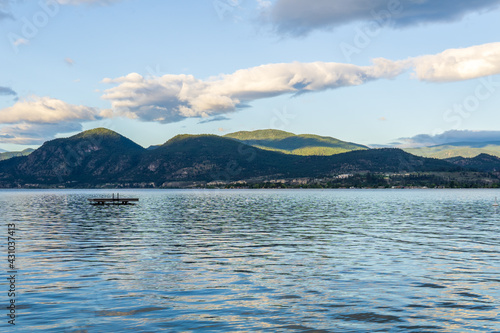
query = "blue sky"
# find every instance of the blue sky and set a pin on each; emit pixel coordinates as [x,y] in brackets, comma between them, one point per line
[372,72]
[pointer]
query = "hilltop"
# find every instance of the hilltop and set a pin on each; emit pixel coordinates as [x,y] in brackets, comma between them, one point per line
[98,155]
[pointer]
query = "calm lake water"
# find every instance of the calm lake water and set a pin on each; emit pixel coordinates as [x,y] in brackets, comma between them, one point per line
[263,260]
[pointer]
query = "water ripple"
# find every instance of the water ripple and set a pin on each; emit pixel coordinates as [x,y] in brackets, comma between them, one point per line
[240,261]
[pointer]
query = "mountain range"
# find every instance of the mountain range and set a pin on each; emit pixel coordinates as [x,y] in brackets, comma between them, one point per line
[458,149]
[315,145]
[289,143]
[103,158]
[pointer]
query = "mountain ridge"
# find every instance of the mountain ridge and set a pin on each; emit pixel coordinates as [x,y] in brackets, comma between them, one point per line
[97,157]
[10,154]
[463,149]
[482,162]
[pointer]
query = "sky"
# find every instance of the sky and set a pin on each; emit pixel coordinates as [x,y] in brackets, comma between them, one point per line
[399,73]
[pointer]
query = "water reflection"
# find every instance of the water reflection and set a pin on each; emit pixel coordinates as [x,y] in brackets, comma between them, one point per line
[353,261]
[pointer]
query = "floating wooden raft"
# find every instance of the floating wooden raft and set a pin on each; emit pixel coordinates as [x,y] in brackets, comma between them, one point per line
[113,200]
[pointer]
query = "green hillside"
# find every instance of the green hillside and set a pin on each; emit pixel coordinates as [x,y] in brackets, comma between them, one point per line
[289,143]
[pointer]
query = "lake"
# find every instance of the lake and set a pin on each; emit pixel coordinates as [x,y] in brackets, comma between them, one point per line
[254,260]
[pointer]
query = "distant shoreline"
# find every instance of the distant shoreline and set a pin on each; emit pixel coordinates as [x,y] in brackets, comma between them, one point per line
[238,188]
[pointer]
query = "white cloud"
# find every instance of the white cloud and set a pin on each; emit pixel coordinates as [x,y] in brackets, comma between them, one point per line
[299,17]
[37,119]
[35,134]
[46,110]
[171,98]
[459,64]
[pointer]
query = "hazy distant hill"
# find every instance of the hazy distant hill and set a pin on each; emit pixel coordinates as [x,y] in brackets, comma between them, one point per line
[98,157]
[289,143]
[463,149]
[10,154]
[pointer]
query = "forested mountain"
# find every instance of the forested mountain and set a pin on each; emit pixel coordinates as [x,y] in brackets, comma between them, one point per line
[100,156]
